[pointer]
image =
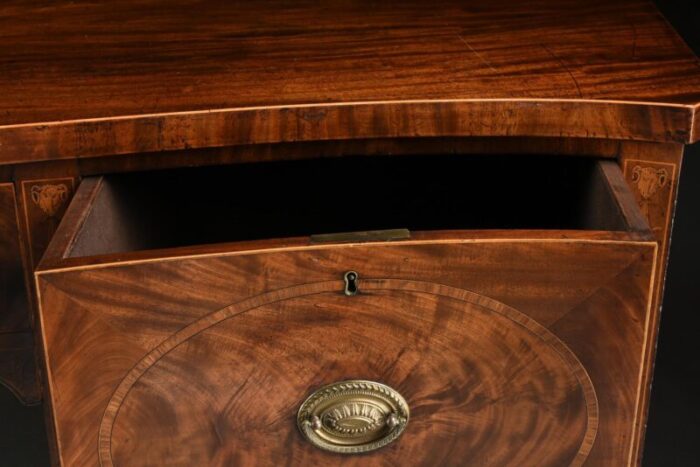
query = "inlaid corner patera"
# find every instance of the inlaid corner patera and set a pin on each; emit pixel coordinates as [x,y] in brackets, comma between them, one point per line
[50,197]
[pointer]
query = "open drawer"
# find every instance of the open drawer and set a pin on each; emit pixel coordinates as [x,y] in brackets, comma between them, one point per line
[190,318]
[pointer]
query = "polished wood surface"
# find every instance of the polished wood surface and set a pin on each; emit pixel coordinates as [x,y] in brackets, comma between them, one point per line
[159,324]
[652,173]
[153,327]
[44,202]
[599,148]
[34,222]
[85,79]
[448,351]
[94,88]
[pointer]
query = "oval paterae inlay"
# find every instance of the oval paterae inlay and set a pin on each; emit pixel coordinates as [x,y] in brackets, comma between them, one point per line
[449,351]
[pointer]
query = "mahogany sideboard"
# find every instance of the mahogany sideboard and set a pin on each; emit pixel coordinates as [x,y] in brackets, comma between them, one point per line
[346,232]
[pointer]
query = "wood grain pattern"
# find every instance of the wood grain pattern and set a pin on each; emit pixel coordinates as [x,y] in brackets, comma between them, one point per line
[450,349]
[652,172]
[139,75]
[44,202]
[653,184]
[591,295]
[309,150]
[88,87]
[635,219]
[338,122]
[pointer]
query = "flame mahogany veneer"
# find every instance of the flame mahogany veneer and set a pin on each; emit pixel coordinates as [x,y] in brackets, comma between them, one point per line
[163,165]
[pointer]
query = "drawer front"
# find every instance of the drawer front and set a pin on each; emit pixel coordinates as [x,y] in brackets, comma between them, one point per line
[506,352]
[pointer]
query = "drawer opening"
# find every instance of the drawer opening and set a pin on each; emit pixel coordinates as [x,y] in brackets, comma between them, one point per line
[194,206]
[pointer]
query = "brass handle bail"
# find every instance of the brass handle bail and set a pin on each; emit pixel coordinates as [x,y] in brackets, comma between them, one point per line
[353,416]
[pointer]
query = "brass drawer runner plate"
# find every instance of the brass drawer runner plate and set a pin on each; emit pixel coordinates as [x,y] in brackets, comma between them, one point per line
[364,236]
[353,416]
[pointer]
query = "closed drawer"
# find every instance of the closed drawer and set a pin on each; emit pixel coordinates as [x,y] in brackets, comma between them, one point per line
[187,316]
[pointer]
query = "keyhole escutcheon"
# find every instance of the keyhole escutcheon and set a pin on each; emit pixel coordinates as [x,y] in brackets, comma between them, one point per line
[351,288]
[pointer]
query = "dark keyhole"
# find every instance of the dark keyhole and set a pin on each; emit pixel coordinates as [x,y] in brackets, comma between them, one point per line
[351,283]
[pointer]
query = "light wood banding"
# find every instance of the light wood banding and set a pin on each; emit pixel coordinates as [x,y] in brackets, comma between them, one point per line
[223,74]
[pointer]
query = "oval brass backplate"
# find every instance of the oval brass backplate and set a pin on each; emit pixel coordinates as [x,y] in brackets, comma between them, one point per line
[353,416]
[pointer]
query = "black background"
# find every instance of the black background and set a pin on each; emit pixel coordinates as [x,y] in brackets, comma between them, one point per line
[673,433]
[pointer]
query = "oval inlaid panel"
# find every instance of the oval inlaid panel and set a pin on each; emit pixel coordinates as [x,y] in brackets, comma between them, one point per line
[486,385]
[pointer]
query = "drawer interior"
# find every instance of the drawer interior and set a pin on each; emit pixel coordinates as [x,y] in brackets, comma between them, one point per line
[193,206]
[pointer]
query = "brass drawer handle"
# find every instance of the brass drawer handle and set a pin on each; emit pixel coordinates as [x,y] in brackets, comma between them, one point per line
[353,416]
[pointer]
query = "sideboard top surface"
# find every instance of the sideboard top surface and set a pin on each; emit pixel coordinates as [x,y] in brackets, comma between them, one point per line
[85,78]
